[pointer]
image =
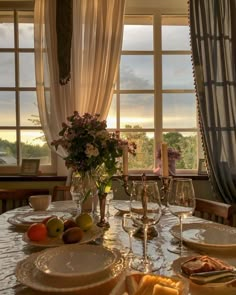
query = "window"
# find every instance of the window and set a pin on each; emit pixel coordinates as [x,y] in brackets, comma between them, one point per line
[154,99]
[21,134]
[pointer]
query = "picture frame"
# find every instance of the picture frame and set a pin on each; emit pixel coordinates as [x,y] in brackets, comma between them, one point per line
[202,167]
[30,167]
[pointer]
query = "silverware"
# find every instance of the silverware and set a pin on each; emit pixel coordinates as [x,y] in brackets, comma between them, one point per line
[212,276]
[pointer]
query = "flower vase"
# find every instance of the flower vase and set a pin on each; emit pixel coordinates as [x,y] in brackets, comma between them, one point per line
[102,207]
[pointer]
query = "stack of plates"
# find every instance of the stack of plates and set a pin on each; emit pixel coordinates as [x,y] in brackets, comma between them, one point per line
[70,268]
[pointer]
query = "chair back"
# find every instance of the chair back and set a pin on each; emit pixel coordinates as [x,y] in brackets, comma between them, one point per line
[215,211]
[14,198]
[61,192]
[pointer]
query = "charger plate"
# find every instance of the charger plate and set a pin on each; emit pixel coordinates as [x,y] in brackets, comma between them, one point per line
[207,236]
[75,260]
[27,274]
[92,234]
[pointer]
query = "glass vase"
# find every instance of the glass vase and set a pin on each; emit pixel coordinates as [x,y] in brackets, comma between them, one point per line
[102,207]
[81,188]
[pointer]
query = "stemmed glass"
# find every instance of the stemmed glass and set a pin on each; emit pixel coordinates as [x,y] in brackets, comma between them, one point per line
[109,198]
[129,227]
[145,207]
[181,203]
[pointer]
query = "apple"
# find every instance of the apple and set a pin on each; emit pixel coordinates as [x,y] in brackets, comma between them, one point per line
[55,226]
[84,221]
[45,220]
[69,223]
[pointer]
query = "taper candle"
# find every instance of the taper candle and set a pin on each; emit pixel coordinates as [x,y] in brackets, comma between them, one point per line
[125,159]
[164,159]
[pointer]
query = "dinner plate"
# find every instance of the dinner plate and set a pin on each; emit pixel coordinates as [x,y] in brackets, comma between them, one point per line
[27,274]
[176,267]
[207,236]
[123,206]
[93,233]
[75,260]
[24,220]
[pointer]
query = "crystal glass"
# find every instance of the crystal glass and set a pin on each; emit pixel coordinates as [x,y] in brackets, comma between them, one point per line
[181,203]
[129,226]
[146,211]
[80,189]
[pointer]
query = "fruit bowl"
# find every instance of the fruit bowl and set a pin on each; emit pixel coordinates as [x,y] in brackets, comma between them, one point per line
[92,234]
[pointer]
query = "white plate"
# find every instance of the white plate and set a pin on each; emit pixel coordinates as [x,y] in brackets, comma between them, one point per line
[209,236]
[27,274]
[176,267]
[24,220]
[93,233]
[123,206]
[75,260]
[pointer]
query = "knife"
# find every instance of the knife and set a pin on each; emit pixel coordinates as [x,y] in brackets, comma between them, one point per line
[212,276]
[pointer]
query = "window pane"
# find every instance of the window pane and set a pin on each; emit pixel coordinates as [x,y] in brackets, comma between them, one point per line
[175,38]
[136,72]
[27,71]
[138,37]
[29,114]
[145,149]
[7,109]
[34,146]
[137,110]
[186,142]
[26,31]
[179,110]
[6,30]
[7,147]
[7,69]
[177,72]
[111,118]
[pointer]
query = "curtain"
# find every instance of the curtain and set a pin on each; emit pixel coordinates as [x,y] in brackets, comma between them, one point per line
[95,56]
[213,34]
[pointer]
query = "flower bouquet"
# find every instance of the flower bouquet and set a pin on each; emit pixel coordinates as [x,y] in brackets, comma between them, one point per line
[173,155]
[91,149]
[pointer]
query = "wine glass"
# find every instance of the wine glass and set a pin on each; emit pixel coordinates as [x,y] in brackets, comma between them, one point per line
[181,203]
[109,198]
[145,207]
[131,228]
[80,189]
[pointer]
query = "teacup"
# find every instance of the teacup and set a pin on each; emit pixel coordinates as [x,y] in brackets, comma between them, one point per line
[40,202]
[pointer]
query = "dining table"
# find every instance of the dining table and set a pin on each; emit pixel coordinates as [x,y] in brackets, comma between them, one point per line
[14,249]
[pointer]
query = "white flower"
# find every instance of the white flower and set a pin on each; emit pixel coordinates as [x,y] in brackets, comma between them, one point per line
[91,150]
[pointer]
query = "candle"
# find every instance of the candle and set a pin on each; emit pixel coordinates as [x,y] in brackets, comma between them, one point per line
[164,159]
[125,159]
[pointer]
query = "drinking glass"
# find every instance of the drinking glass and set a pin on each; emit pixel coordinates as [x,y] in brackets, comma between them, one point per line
[181,203]
[129,227]
[145,207]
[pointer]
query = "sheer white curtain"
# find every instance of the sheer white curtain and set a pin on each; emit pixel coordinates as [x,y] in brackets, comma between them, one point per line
[95,56]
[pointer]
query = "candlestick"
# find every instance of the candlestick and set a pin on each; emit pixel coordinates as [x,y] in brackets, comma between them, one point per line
[125,159]
[165,181]
[164,159]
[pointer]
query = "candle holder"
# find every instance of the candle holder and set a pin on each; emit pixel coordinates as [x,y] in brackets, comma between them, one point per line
[126,185]
[165,181]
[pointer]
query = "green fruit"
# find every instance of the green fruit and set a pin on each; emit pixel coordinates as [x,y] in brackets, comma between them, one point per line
[72,235]
[84,221]
[55,226]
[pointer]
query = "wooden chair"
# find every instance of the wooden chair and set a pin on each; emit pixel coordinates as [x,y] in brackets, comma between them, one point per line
[14,198]
[61,192]
[215,211]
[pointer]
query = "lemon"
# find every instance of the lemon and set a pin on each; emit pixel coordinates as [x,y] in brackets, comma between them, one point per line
[84,221]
